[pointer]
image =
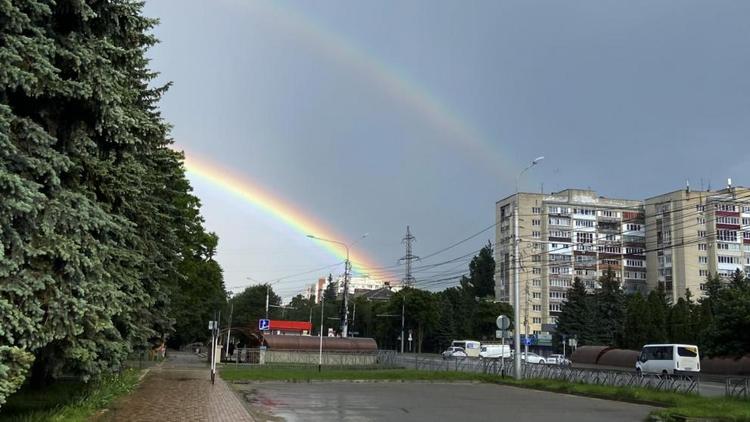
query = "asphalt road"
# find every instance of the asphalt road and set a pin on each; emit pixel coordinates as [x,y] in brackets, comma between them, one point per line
[395,401]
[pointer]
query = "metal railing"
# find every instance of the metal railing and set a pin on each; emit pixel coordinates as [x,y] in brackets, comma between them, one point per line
[689,384]
[737,387]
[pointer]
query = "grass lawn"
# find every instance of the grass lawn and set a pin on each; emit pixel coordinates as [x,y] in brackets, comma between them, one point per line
[674,406]
[67,401]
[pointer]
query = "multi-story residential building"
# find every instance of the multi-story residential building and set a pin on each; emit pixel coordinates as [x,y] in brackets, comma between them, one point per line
[691,234]
[573,233]
[357,286]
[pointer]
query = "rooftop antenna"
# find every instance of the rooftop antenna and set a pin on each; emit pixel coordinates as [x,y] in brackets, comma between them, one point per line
[687,186]
[729,183]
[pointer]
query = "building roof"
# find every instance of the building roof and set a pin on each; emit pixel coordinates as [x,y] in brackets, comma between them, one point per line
[383,294]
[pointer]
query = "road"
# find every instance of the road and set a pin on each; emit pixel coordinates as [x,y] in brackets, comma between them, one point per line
[418,402]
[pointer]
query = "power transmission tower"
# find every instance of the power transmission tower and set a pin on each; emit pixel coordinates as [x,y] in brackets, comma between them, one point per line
[408,258]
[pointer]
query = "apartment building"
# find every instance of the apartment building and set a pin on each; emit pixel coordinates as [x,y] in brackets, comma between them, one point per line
[691,234]
[572,233]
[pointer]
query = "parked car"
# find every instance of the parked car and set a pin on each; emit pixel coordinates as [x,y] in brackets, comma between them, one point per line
[558,360]
[454,352]
[668,359]
[532,358]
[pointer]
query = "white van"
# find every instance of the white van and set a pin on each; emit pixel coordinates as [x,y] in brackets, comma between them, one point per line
[494,351]
[471,347]
[668,359]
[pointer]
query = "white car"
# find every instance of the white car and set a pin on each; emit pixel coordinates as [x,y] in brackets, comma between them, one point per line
[454,353]
[558,360]
[668,359]
[532,358]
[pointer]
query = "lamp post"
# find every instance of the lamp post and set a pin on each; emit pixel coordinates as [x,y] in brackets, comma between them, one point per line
[517,279]
[347,265]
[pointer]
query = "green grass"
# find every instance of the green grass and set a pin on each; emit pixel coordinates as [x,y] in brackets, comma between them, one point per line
[674,406]
[67,401]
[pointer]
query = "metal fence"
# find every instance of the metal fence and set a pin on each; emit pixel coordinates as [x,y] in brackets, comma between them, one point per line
[737,387]
[673,383]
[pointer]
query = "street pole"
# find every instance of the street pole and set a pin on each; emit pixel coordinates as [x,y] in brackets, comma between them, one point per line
[268,288]
[229,327]
[517,279]
[526,325]
[403,307]
[320,352]
[345,324]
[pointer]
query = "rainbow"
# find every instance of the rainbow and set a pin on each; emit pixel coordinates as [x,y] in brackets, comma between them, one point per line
[274,206]
[385,78]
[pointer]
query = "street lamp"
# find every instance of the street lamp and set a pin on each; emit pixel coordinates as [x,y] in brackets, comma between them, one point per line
[517,279]
[347,265]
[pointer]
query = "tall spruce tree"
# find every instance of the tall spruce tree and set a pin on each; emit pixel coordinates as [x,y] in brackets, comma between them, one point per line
[577,317]
[93,207]
[609,310]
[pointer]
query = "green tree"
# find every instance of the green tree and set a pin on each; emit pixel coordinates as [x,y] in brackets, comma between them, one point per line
[577,316]
[681,329]
[609,310]
[330,291]
[485,316]
[728,333]
[637,315]
[482,273]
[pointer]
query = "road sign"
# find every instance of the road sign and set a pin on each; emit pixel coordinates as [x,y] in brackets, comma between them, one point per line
[264,324]
[502,322]
[527,341]
[211,325]
[572,342]
[500,334]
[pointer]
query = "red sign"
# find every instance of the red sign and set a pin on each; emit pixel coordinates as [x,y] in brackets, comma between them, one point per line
[277,324]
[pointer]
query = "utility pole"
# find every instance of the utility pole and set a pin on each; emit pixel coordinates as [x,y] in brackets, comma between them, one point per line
[526,324]
[229,328]
[408,258]
[403,308]
[345,322]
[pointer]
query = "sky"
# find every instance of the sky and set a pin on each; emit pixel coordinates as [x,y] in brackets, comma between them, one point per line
[368,116]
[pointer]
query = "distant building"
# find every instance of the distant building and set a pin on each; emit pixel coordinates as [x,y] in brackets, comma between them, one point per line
[573,233]
[358,285]
[692,234]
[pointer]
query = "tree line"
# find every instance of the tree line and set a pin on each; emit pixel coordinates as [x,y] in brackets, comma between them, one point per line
[718,322]
[466,311]
[103,249]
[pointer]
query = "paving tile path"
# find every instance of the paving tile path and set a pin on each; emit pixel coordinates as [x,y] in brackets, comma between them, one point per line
[179,390]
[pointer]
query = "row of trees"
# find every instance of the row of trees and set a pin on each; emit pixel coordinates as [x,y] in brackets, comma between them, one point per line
[434,318]
[102,248]
[718,322]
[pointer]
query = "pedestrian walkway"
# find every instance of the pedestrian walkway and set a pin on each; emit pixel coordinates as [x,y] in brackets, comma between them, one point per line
[179,390]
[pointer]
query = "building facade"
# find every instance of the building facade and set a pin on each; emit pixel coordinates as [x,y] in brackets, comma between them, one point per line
[692,234]
[572,233]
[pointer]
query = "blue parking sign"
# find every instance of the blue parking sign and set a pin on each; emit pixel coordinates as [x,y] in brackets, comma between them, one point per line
[264,324]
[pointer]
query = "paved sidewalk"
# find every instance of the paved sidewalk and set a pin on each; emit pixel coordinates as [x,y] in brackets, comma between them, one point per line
[179,390]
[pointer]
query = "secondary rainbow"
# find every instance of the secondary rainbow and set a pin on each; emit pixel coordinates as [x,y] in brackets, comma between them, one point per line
[386,78]
[274,206]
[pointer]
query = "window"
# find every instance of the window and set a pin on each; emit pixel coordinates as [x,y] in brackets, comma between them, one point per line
[536,235]
[634,227]
[701,234]
[703,273]
[723,259]
[688,352]
[555,307]
[560,270]
[536,210]
[727,235]
[746,221]
[634,263]
[700,208]
[536,295]
[726,207]
[701,220]
[746,209]
[536,258]
[536,270]
[585,237]
[746,235]
[657,353]
[634,250]
[702,286]
[536,282]
[559,233]
[559,221]
[584,211]
[536,320]
[702,247]
[557,295]
[728,246]
[727,220]
[703,260]
[584,223]
[607,213]
[536,308]
[536,222]
[610,249]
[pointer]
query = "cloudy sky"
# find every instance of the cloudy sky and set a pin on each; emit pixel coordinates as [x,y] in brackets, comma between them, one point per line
[367,117]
